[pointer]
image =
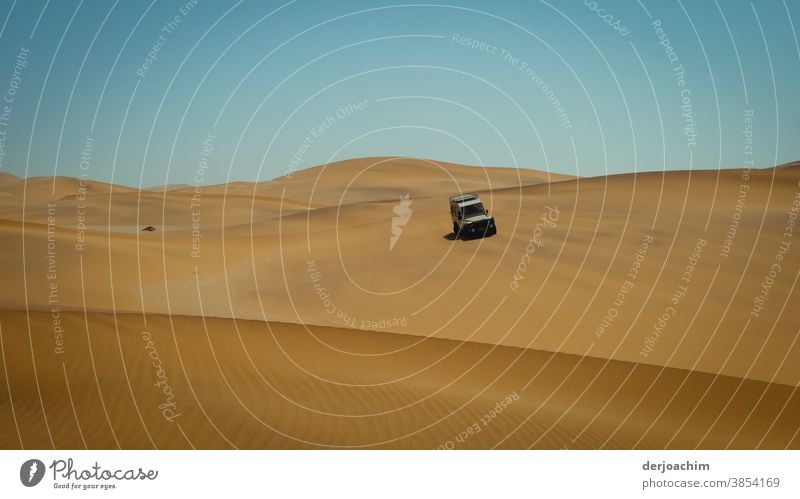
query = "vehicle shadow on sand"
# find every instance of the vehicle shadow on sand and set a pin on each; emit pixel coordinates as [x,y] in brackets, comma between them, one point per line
[452,237]
[463,237]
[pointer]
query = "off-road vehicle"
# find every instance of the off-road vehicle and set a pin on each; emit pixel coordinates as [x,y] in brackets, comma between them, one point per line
[470,218]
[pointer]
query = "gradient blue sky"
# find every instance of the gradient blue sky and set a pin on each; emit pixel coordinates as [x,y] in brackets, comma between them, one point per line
[258,76]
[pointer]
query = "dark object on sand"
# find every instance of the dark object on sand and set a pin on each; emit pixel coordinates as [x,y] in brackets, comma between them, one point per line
[149,228]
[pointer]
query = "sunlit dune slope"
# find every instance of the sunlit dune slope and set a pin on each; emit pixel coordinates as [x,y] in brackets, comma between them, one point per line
[658,268]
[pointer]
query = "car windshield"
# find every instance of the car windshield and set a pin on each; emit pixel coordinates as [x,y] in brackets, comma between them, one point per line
[472,210]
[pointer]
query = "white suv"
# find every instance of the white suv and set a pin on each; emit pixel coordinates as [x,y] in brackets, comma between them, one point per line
[469,216]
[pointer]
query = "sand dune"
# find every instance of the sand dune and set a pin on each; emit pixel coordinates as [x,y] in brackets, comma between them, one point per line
[249,384]
[646,311]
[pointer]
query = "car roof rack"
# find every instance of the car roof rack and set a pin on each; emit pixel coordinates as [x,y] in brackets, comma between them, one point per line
[460,198]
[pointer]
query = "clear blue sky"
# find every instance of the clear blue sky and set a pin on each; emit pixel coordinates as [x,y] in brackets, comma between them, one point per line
[259,76]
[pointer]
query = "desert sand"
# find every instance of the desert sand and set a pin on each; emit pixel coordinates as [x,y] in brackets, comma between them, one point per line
[650,310]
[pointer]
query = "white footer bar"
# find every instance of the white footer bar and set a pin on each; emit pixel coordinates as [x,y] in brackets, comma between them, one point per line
[401,474]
